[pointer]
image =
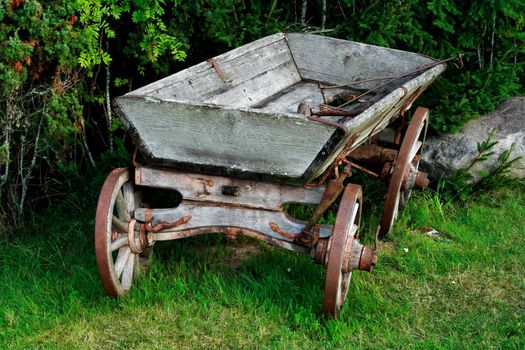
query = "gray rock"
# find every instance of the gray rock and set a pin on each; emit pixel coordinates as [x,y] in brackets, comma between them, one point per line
[449,152]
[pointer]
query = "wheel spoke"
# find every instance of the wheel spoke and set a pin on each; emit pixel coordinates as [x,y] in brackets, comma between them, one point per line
[122,257]
[120,205]
[353,231]
[414,151]
[396,208]
[345,284]
[339,300]
[127,275]
[354,214]
[118,243]
[120,225]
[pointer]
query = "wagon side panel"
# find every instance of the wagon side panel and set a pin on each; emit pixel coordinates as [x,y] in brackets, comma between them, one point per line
[242,77]
[337,61]
[229,138]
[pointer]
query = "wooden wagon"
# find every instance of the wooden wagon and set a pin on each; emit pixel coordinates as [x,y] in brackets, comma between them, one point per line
[284,119]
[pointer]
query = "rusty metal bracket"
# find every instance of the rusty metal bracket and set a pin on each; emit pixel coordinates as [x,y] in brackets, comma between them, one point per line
[328,122]
[277,229]
[341,158]
[131,238]
[134,161]
[408,103]
[163,225]
[332,191]
[321,89]
[305,109]
[217,69]
[309,238]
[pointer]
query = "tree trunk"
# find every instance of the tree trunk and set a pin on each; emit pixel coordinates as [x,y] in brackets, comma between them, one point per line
[303,12]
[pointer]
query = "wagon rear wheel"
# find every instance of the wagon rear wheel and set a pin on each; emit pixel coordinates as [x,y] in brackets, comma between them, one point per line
[404,173]
[338,250]
[118,260]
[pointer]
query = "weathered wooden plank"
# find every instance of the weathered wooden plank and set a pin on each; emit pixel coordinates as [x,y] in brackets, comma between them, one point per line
[241,139]
[257,89]
[258,78]
[205,215]
[253,194]
[247,75]
[191,72]
[338,61]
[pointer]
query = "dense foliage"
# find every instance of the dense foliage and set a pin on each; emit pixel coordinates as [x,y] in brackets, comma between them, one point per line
[490,34]
[63,61]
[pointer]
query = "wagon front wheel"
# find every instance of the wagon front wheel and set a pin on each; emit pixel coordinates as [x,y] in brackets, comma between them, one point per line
[118,238]
[404,172]
[342,253]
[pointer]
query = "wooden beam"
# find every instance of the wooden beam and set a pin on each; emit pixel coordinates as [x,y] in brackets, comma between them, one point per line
[253,194]
[204,215]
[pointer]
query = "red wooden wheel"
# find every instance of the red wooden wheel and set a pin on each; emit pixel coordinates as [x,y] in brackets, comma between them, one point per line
[118,261]
[338,247]
[404,169]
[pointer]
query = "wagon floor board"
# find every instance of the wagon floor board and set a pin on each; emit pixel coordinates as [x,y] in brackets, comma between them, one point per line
[287,100]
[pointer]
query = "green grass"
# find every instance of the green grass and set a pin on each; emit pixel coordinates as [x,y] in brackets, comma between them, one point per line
[462,289]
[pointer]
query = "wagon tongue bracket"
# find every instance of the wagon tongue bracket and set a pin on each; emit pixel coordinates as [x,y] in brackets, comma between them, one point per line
[333,189]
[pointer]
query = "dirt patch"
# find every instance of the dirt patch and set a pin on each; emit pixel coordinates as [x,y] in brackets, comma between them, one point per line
[239,253]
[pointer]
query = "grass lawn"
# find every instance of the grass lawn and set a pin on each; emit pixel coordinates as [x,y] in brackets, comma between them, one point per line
[463,288]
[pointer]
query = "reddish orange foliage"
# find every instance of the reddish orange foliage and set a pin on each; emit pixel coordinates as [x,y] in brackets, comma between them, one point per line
[14,4]
[72,20]
[18,66]
[35,70]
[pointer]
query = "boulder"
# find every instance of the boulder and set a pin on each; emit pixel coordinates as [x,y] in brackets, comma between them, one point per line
[446,153]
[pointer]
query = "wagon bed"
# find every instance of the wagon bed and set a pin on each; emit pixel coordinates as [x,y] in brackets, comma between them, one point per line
[237,114]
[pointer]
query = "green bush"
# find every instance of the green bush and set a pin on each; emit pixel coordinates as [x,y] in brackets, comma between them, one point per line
[50,83]
[41,113]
